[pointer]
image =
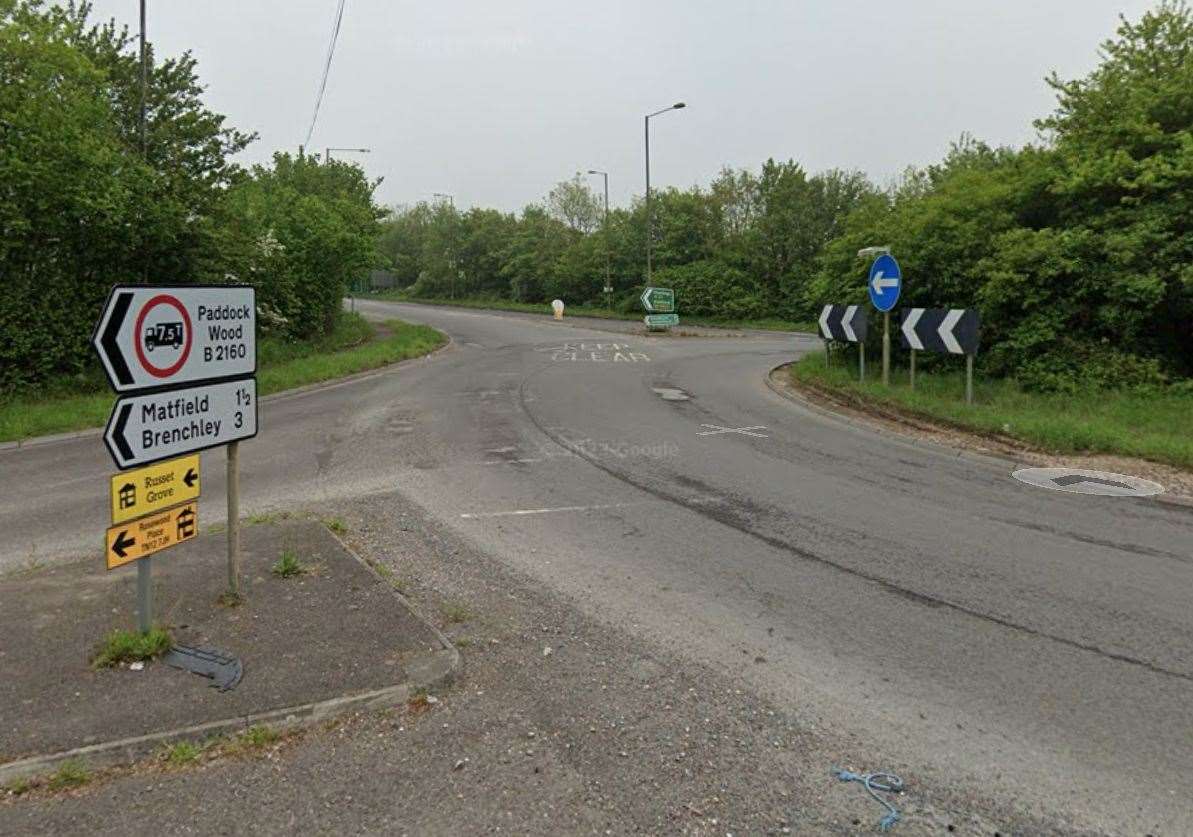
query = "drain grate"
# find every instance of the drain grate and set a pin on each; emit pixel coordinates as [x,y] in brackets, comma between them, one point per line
[222,669]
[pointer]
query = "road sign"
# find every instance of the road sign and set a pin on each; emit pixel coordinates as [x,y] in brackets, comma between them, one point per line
[886,280]
[661,320]
[844,322]
[952,330]
[150,337]
[1083,481]
[658,300]
[147,490]
[151,427]
[141,538]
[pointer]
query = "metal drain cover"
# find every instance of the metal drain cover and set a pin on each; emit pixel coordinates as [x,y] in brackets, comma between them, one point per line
[222,669]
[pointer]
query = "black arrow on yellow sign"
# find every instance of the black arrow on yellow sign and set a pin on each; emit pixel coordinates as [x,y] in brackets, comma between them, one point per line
[122,543]
[191,478]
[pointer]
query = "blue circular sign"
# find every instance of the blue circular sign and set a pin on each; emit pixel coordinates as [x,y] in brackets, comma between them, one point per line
[886,280]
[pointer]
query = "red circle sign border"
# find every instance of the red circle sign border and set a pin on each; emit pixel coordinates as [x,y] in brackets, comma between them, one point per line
[155,371]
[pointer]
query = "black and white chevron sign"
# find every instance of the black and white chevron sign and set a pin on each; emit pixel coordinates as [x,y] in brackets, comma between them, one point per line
[952,330]
[843,322]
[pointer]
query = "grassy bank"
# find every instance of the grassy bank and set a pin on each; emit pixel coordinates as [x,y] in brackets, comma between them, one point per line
[80,402]
[1158,427]
[770,324]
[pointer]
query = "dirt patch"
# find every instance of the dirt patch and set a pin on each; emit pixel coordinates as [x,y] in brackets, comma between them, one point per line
[1176,481]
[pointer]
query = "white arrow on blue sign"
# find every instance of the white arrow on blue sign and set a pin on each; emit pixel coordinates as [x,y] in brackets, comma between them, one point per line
[886,280]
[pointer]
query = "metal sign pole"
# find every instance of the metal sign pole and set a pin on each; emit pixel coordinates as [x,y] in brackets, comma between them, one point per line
[826,355]
[913,368]
[145,595]
[886,348]
[861,347]
[969,379]
[234,519]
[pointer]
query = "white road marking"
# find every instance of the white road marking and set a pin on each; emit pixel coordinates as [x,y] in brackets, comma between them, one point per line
[693,501]
[745,431]
[522,512]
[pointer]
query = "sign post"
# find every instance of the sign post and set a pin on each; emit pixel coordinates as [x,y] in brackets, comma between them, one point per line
[660,308]
[183,359]
[955,331]
[849,324]
[885,283]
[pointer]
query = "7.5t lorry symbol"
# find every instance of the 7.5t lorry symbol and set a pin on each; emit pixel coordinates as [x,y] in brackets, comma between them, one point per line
[163,334]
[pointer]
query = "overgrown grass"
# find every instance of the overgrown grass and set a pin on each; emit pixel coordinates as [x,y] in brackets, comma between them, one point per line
[82,401]
[768,324]
[70,774]
[183,752]
[1154,426]
[456,612]
[121,646]
[288,565]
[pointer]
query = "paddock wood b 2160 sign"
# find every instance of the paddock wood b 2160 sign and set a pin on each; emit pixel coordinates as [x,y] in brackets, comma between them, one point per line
[157,337]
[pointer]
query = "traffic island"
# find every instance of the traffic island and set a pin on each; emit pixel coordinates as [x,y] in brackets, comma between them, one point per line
[326,638]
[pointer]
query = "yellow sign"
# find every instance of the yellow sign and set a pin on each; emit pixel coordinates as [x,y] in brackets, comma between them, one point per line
[129,541]
[155,487]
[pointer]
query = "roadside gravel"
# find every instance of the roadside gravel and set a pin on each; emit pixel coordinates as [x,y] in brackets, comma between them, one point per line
[556,725]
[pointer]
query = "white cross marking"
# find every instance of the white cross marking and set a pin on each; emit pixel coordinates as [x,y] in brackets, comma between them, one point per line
[745,431]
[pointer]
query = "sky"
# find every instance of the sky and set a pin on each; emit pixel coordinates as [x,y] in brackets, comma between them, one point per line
[495,102]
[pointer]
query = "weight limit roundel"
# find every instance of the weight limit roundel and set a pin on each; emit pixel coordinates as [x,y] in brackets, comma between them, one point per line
[163,336]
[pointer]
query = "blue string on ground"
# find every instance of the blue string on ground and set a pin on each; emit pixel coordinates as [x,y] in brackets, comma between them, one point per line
[873,783]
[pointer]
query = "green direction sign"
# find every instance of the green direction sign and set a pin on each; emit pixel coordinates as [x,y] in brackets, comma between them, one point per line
[658,300]
[661,320]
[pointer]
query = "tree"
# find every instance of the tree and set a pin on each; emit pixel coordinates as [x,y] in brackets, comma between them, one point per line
[576,205]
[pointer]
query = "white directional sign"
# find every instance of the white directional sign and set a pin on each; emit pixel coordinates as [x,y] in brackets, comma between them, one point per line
[150,337]
[147,428]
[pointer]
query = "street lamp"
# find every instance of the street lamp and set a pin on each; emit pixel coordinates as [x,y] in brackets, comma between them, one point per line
[649,220]
[605,235]
[451,258]
[327,152]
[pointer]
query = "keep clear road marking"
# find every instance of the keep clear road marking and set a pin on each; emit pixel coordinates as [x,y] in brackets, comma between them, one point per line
[714,429]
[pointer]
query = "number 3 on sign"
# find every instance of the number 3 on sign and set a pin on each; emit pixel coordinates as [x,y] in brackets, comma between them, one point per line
[243,399]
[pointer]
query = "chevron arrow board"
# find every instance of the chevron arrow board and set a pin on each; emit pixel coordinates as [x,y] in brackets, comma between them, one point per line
[951,330]
[843,322]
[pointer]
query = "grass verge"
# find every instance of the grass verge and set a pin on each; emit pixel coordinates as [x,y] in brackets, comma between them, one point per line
[355,345]
[1153,426]
[768,324]
[122,646]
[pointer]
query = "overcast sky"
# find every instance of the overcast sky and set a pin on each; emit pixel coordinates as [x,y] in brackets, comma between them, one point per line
[494,102]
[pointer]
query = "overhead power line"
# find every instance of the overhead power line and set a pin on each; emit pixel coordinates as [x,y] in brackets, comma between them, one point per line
[331,51]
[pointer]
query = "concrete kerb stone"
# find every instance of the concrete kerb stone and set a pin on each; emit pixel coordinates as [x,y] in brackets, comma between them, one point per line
[435,669]
[994,460]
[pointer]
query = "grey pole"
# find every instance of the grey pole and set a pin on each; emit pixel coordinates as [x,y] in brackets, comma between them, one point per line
[886,348]
[861,347]
[145,595]
[913,368]
[605,235]
[649,217]
[969,379]
[234,520]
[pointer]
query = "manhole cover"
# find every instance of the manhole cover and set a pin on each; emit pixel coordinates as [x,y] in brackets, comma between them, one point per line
[1082,481]
[671,393]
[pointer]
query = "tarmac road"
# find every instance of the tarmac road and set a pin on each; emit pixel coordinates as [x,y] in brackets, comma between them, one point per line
[1030,645]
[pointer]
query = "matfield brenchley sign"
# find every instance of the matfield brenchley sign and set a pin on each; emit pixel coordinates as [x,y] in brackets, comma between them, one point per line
[161,425]
[163,336]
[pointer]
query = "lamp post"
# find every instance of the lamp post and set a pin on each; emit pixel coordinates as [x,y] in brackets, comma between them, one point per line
[327,152]
[605,235]
[649,219]
[451,259]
